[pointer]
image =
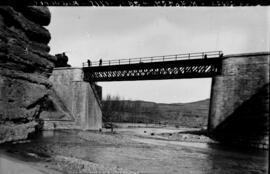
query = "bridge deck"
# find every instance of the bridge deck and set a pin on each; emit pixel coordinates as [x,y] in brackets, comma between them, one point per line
[192,65]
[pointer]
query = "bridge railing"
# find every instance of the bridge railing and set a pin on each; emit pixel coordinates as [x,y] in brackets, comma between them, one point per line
[165,58]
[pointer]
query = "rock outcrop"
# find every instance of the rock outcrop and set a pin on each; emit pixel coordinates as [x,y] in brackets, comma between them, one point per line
[25,65]
[62,60]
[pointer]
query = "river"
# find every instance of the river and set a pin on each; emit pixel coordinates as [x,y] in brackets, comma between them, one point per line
[148,155]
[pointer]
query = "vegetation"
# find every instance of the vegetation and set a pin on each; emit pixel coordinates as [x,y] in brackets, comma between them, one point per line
[117,110]
[193,114]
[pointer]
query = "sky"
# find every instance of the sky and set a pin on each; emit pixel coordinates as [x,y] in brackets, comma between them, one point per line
[128,32]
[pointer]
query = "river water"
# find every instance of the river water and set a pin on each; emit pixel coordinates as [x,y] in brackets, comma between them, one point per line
[156,156]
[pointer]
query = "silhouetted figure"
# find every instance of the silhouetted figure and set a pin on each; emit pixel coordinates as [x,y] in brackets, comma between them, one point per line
[100,62]
[89,63]
[205,56]
[221,55]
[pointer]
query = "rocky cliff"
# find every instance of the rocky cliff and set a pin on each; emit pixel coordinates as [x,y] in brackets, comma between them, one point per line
[25,65]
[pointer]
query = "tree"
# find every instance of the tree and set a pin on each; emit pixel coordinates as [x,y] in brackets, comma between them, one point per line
[110,106]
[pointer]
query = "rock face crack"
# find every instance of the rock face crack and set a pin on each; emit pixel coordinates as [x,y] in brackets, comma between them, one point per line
[40,102]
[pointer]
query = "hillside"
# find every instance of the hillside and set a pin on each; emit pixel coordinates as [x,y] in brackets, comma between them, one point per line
[194,114]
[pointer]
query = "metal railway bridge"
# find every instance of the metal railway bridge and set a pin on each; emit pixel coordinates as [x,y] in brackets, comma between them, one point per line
[191,65]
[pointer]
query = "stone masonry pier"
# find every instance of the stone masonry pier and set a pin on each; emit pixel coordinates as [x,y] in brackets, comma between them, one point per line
[80,99]
[239,106]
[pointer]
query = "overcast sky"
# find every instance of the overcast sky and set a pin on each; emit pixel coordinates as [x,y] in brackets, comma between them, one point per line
[115,33]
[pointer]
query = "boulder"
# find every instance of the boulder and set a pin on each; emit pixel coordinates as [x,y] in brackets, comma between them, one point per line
[20,99]
[11,132]
[33,31]
[39,15]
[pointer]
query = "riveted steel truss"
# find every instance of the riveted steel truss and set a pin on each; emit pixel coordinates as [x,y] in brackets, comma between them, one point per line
[195,68]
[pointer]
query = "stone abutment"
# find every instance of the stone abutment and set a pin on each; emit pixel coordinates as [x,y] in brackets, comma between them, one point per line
[239,106]
[80,99]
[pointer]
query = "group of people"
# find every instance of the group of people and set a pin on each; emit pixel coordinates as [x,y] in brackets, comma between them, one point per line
[89,63]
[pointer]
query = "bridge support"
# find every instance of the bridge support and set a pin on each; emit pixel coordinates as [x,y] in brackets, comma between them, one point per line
[79,97]
[239,106]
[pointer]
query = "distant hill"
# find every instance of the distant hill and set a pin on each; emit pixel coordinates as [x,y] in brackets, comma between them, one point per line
[194,114]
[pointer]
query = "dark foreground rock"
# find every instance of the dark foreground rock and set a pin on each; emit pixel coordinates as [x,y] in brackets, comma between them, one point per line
[10,131]
[25,66]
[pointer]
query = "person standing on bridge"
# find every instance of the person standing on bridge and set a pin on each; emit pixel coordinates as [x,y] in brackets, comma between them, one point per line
[89,62]
[205,56]
[221,55]
[100,62]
